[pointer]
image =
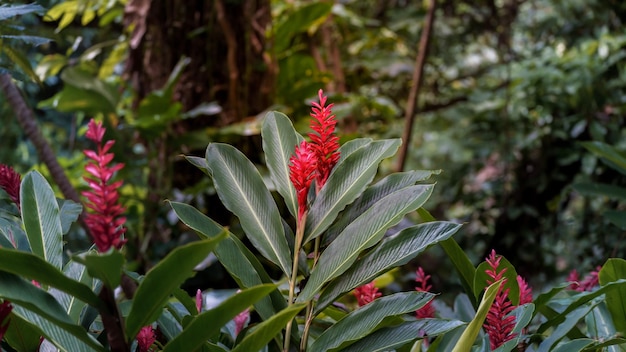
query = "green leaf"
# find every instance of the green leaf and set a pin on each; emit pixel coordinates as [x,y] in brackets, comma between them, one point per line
[611,155]
[24,294]
[264,332]
[72,305]
[242,191]
[40,214]
[371,195]
[300,21]
[279,143]
[574,345]
[32,267]
[390,338]
[613,270]
[392,252]
[205,325]
[617,218]
[362,233]
[104,266]
[600,189]
[69,212]
[561,330]
[368,318]
[22,335]
[480,280]
[240,263]
[578,300]
[462,264]
[351,146]
[471,331]
[158,284]
[19,59]
[8,11]
[346,182]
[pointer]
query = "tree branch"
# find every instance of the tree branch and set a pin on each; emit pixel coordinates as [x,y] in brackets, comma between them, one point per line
[417,82]
[26,119]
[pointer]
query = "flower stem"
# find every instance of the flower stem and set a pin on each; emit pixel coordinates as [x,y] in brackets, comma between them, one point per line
[294,276]
[309,306]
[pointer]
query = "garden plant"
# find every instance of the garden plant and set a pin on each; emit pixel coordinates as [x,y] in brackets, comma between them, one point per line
[303,257]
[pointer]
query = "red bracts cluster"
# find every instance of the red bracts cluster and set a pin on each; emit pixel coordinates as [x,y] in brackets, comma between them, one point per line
[105,221]
[498,325]
[421,279]
[587,284]
[10,183]
[145,339]
[366,294]
[315,160]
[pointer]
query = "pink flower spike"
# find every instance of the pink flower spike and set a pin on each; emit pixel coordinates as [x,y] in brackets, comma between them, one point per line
[590,281]
[325,143]
[525,291]
[10,182]
[5,311]
[421,279]
[301,173]
[498,324]
[105,221]
[199,301]
[573,278]
[366,294]
[145,338]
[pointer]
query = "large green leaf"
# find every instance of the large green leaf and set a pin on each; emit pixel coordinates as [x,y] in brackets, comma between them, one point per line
[362,233]
[158,284]
[613,270]
[40,214]
[368,318]
[390,338]
[241,189]
[371,195]
[470,333]
[20,60]
[205,325]
[617,218]
[392,252]
[50,314]
[279,143]
[611,155]
[33,267]
[347,181]
[104,266]
[264,332]
[240,263]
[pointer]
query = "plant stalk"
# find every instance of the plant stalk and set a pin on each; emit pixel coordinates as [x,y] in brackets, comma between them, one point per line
[294,276]
[309,306]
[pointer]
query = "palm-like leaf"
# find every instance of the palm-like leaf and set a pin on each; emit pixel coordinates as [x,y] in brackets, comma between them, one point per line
[241,189]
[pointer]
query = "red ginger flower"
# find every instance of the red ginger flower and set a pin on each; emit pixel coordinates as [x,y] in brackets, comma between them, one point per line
[105,222]
[366,294]
[324,142]
[525,291]
[5,311]
[241,320]
[590,281]
[427,311]
[301,172]
[145,338]
[199,301]
[498,325]
[573,278]
[10,183]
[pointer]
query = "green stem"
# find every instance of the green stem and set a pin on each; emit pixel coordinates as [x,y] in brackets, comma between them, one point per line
[309,306]
[294,277]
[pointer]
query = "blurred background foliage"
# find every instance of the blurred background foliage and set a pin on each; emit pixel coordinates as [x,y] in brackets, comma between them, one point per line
[511,89]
